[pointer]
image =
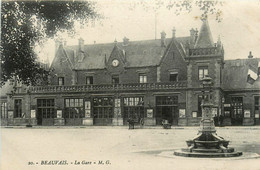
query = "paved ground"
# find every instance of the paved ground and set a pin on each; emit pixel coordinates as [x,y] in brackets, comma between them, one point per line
[118,148]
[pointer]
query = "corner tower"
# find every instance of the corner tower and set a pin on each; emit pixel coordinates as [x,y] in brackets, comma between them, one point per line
[204,58]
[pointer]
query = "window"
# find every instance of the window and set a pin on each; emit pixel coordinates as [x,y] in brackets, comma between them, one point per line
[173,77]
[257,106]
[102,109]
[133,108]
[115,79]
[237,107]
[17,108]
[89,80]
[142,78]
[61,81]
[46,108]
[74,108]
[4,110]
[203,71]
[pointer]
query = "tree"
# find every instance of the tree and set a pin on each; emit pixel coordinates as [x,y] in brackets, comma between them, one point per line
[205,6]
[24,24]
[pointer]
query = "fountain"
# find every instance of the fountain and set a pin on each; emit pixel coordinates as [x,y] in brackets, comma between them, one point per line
[207,143]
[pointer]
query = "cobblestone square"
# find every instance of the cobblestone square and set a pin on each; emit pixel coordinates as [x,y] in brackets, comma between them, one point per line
[100,147]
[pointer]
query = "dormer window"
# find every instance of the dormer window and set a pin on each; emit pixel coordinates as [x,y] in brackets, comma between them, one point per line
[142,78]
[61,81]
[203,71]
[174,76]
[115,79]
[89,80]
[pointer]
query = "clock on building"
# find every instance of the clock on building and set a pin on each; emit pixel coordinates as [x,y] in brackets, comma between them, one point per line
[115,63]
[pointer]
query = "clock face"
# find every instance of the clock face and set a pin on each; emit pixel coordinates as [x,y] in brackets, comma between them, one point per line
[115,63]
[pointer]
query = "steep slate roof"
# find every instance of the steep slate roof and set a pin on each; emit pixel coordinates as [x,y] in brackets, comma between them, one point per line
[137,53]
[235,74]
[205,39]
[95,56]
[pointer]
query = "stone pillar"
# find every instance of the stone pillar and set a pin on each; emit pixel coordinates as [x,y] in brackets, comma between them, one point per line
[117,119]
[59,121]
[88,119]
[149,120]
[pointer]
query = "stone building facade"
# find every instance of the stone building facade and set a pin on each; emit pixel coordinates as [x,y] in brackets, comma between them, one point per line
[152,80]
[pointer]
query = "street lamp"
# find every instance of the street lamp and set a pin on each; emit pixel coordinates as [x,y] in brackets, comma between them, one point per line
[207,143]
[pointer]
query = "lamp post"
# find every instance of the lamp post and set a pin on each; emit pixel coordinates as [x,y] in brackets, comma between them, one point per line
[207,143]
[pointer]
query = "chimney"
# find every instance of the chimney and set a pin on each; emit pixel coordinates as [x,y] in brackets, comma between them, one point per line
[173,32]
[81,44]
[125,41]
[192,32]
[192,36]
[163,36]
[115,42]
[250,55]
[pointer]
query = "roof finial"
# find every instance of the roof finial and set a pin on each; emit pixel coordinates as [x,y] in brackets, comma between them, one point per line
[173,32]
[250,55]
[204,39]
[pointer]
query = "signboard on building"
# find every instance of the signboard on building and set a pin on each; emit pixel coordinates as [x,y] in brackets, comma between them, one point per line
[182,113]
[33,114]
[247,113]
[149,113]
[10,114]
[194,114]
[59,113]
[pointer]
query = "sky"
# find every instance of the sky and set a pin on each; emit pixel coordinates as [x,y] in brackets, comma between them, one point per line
[239,29]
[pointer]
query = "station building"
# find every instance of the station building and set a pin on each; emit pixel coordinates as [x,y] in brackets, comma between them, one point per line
[106,84]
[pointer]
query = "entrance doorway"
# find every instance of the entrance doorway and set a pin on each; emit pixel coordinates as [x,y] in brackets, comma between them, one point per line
[237,110]
[133,109]
[103,111]
[167,109]
[73,112]
[45,112]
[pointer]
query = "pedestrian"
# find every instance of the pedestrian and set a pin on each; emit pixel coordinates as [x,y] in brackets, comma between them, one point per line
[215,118]
[221,119]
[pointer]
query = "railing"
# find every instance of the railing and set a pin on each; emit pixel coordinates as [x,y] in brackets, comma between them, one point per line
[203,51]
[108,87]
